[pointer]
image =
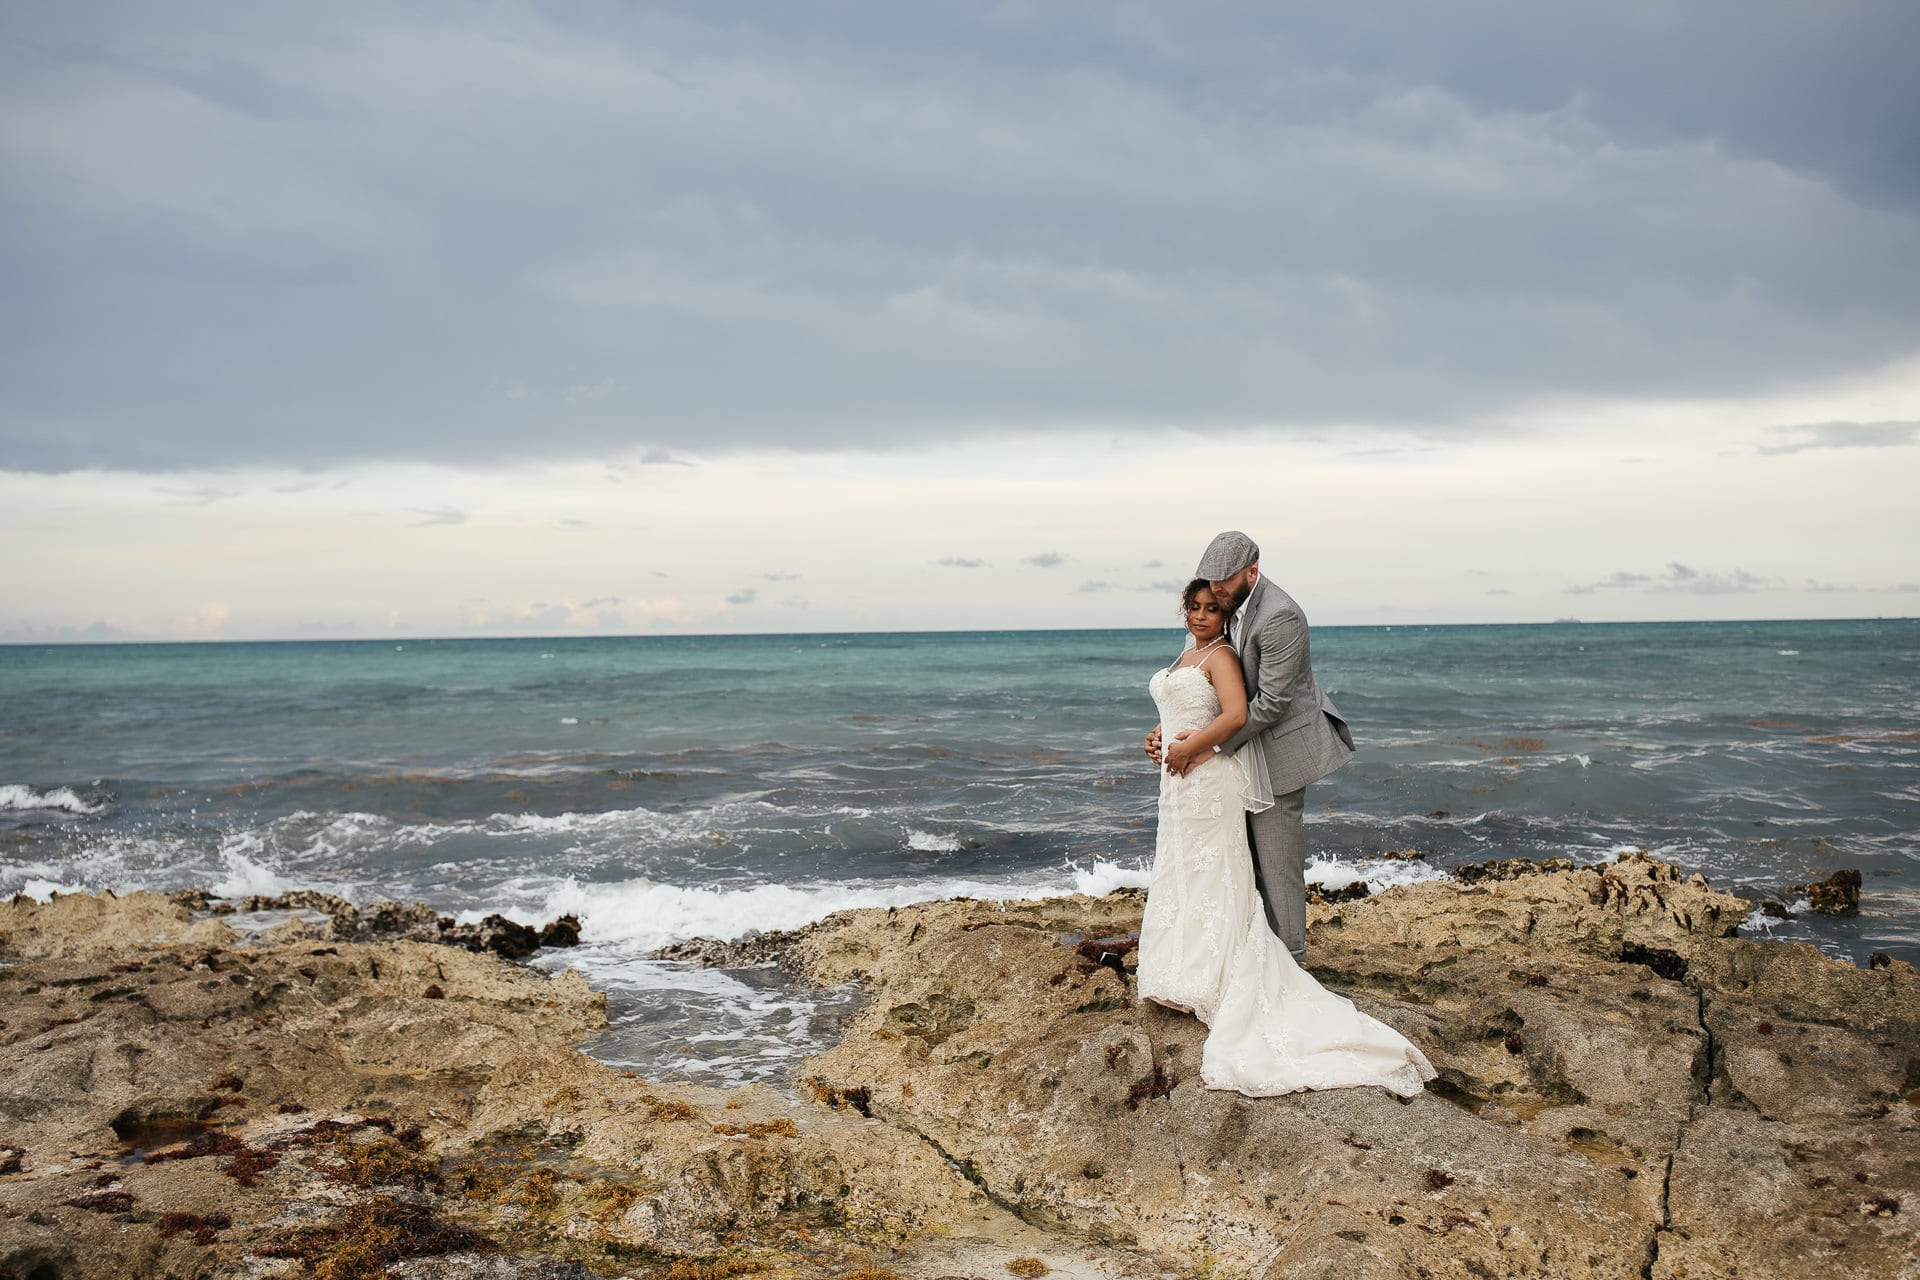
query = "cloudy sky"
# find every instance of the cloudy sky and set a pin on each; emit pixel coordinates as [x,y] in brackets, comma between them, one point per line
[513,318]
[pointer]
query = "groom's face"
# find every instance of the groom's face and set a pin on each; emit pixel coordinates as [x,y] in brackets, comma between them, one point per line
[1233,592]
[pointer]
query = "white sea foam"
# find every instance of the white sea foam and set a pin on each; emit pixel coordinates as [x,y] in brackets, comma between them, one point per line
[14,796]
[640,915]
[929,842]
[1104,877]
[1331,875]
[42,890]
[571,823]
[245,875]
[1758,919]
[645,914]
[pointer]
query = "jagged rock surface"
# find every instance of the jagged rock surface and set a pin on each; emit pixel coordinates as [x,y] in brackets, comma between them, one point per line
[1626,1090]
[174,1105]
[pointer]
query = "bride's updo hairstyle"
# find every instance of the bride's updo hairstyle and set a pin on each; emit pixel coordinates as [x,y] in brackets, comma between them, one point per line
[1191,595]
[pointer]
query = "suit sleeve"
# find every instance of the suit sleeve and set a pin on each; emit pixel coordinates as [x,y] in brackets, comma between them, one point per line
[1283,658]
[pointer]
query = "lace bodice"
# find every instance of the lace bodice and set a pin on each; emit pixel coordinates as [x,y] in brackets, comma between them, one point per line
[1185,698]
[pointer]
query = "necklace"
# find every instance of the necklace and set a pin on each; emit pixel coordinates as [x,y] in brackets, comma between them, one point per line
[1200,653]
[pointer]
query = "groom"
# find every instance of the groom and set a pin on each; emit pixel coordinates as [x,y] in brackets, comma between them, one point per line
[1290,722]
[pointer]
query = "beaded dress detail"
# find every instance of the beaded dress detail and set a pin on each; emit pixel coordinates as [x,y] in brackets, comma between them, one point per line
[1205,946]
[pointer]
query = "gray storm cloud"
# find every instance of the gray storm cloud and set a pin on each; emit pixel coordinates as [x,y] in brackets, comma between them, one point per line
[242,234]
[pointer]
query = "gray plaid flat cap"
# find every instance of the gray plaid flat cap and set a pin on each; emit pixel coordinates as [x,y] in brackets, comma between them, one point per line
[1227,555]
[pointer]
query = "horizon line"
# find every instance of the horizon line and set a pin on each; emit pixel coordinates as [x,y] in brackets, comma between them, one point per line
[79,643]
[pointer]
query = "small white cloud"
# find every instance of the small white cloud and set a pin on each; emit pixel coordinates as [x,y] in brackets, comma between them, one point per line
[437,515]
[661,458]
[1681,578]
[745,595]
[209,619]
[1678,577]
[964,562]
[588,392]
[1842,435]
[781,577]
[1618,580]
[198,497]
[1045,560]
[1090,588]
[100,629]
[572,525]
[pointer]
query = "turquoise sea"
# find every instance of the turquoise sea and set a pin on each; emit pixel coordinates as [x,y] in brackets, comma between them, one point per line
[665,787]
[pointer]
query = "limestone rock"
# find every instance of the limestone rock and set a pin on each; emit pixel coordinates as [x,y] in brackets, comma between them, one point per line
[1601,1086]
[411,1109]
[1626,1088]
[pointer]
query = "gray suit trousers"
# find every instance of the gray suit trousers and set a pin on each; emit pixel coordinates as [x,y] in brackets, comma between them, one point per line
[1279,839]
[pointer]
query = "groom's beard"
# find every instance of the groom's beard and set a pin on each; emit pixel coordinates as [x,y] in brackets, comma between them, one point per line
[1239,598]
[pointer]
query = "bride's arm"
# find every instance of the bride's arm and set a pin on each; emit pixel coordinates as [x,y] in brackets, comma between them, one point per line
[1223,668]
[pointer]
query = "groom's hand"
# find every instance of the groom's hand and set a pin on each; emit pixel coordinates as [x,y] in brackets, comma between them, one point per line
[1153,745]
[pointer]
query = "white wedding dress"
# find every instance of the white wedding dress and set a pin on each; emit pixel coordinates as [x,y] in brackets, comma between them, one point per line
[1205,946]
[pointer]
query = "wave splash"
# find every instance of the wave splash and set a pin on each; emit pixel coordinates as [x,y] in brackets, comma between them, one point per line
[19,798]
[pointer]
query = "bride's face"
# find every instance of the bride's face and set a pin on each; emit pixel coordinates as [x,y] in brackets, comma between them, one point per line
[1206,619]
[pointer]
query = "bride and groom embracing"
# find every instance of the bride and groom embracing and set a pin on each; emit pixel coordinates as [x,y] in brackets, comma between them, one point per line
[1243,729]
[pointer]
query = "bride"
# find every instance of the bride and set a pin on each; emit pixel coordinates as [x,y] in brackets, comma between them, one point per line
[1205,947]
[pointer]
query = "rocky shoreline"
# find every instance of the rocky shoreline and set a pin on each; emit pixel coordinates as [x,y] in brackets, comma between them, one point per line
[1626,1089]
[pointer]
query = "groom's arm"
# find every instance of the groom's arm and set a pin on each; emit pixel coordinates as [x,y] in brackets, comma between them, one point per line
[1283,654]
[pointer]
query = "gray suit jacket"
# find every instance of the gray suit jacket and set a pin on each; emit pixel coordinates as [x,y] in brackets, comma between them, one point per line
[1292,724]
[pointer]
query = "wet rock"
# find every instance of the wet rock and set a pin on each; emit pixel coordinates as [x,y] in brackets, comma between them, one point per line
[495,933]
[564,932]
[411,921]
[1837,895]
[746,952]
[1508,868]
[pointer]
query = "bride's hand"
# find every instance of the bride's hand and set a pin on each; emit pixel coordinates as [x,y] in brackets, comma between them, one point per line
[1181,757]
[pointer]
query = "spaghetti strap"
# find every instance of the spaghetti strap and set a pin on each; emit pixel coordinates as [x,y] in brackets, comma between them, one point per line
[1181,661]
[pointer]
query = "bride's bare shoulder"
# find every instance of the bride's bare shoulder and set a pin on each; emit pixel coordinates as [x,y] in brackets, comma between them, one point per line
[1223,664]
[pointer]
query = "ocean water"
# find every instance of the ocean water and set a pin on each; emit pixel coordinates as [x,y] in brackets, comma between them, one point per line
[663,788]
